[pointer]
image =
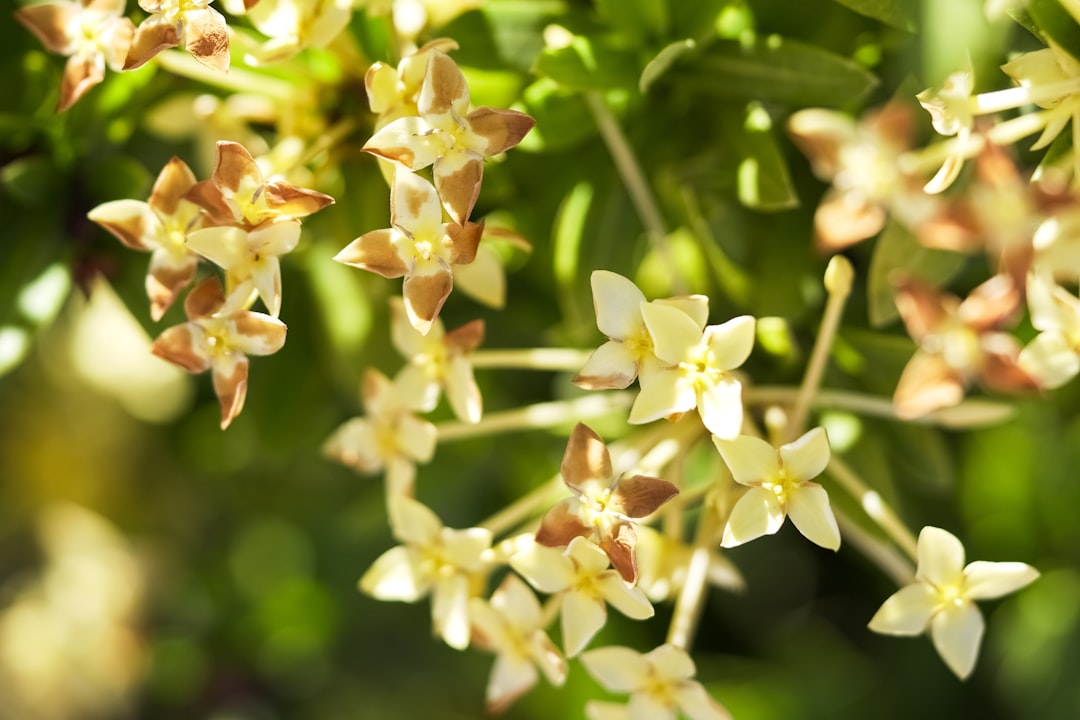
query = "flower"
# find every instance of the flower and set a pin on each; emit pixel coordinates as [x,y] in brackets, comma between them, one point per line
[659,682]
[220,342]
[390,436]
[432,559]
[159,225]
[617,302]
[450,137]
[952,114]
[192,23]
[942,598]
[603,506]
[419,247]
[1053,357]
[293,25]
[439,360]
[90,33]
[779,482]
[698,370]
[511,625]
[581,575]
[958,343]
[392,92]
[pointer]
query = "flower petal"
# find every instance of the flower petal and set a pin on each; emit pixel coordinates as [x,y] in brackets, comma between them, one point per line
[641,495]
[450,610]
[626,598]
[462,390]
[230,385]
[510,677]
[611,367]
[465,548]
[586,460]
[266,276]
[808,507]
[444,91]
[617,669]
[458,176]
[179,346]
[561,524]
[674,333]
[416,438]
[235,170]
[646,706]
[941,558]
[806,458]
[498,130]
[546,568]
[730,343]
[619,544]
[582,617]
[375,251]
[413,522]
[925,385]
[207,37]
[664,392]
[80,74]
[957,632]
[698,704]
[986,580]
[617,302]
[720,407]
[425,293]
[153,35]
[750,459]
[757,513]
[132,222]
[407,141]
[256,334]
[49,22]
[395,575]
[671,663]
[414,204]
[907,611]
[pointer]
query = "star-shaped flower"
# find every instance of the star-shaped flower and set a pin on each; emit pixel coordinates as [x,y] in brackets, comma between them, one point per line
[449,136]
[160,225]
[696,370]
[390,436]
[660,684]
[959,342]
[779,482]
[419,247]
[432,559]
[942,598]
[439,359]
[392,92]
[1053,357]
[580,573]
[617,302]
[511,626]
[293,25]
[92,34]
[603,507]
[192,23]
[220,342]
[952,114]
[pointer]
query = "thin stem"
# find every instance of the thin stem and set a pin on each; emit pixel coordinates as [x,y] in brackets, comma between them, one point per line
[1014,97]
[531,359]
[540,415]
[838,277]
[329,139]
[874,506]
[237,79]
[524,507]
[687,612]
[885,556]
[634,180]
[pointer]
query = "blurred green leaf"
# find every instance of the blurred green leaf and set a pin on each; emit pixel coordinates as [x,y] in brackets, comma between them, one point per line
[779,70]
[1056,23]
[562,117]
[902,14]
[590,63]
[663,61]
[897,248]
[33,180]
[696,19]
[641,21]
[763,179]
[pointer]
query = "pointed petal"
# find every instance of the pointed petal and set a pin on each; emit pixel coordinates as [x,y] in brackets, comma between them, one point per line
[671,663]
[596,710]
[152,36]
[842,220]
[907,611]
[376,252]
[355,444]
[663,392]
[425,294]
[167,277]
[617,302]
[204,299]
[276,238]
[582,617]
[561,524]
[207,37]
[808,507]
[546,568]
[922,308]
[547,657]
[721,408]
[987,580]
[458,176]
[464,241]
[730,343]
[230,385]
[1050,359]
[174,180]
[406,141]
[1001,370]
[645,706]
[484,279]
[625,598]
[132,222]
[235,170]
[674,333]
[611,367]
[444,91]
[517,603]
[414,204]
[466,338]
[256,334]
[49,22]
[941,558]
[498,130]
[586,459]
[697,704]
[619,544]
[957,632]
[465,548]
[588,559]
[750,459]
[757,513]
[294,202]
[416,438]
[925,385]
[450,610]
[640,495]
[266,275]
[617,669]
[413,522]
[462,390]
[226,247]
[696,306]
[395,575]
[211,199]
[179,346]
[80,74]
[510,677]
[806,458]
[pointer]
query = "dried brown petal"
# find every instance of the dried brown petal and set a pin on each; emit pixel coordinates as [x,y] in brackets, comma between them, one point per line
[586,458]
[640,495]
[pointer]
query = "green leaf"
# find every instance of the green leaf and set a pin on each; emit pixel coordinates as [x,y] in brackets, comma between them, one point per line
[31,180]
[898,13]
[663,61]
[696,19]
[763,179]
[562,117]
[897,248]
[778,70]
[1056,23]
[638,20]
[590,64]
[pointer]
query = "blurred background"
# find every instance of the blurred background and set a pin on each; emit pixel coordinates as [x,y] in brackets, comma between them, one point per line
[153,566]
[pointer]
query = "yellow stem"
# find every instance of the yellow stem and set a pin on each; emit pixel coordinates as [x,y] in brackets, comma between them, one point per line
[687,612]
[885,556]
[874,506]
[531,359]
[540,415]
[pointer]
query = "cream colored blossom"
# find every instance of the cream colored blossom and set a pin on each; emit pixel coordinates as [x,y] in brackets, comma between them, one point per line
[617,302]
[161,226]
[439,360]
[511,626]
[698,372]
[660,684]
[199,28]
[432,559]
[779,482]
[603,506]
[941,599]
[586,586]
[952,114]
[292,25]
[1053,357]
[92,34]
[390,436]
[220,340]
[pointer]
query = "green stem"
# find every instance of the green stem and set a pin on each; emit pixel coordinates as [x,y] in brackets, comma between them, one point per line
[634,180]
[540,415]
[874,506]
[531,359]
[237,79]
[885,556]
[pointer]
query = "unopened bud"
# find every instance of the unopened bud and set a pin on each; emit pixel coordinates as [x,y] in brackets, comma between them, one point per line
[838,276]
